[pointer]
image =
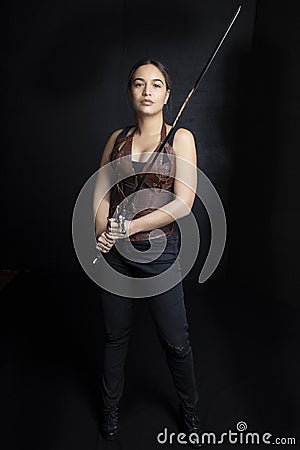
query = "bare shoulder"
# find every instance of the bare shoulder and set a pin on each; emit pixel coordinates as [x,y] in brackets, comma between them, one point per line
[109,146]
[115,134]
[184,143]
[184,133]
[111,140]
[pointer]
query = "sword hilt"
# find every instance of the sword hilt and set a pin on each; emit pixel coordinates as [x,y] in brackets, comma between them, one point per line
[121,217]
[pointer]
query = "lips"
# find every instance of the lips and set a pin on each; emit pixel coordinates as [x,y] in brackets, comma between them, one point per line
[147,102]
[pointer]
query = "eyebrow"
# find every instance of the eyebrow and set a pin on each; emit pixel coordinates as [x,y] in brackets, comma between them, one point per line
[153,79]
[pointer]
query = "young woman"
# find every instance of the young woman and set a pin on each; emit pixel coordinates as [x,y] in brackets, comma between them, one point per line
[149,90]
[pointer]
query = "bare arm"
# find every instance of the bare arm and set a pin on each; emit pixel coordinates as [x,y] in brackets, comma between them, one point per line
[101,197]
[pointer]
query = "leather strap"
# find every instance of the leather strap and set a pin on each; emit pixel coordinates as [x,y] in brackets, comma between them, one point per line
[145,235]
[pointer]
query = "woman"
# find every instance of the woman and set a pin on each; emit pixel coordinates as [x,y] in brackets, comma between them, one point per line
[149,90]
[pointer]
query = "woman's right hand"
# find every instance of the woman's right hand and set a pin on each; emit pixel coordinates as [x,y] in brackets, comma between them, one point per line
[105,242]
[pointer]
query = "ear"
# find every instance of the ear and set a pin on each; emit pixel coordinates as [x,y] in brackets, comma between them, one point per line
[167,97]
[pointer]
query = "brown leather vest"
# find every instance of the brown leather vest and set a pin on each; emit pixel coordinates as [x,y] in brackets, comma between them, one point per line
[157,188]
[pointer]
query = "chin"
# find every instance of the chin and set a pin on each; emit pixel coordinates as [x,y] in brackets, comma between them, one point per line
[148,112]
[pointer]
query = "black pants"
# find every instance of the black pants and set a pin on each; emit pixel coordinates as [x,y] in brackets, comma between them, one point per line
[169,315]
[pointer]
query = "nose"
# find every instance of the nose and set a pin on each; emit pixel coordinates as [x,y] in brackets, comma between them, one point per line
[146,90]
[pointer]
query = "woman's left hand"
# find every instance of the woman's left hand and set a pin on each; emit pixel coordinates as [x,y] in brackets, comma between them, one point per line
[115,230]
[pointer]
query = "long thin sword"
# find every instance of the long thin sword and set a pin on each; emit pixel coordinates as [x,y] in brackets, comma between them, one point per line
[122,214]
[192,91]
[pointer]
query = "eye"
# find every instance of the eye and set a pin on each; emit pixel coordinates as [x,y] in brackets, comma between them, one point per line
[157,85]
[138,84]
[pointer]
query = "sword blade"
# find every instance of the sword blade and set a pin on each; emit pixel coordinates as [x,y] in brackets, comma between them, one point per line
[205,69]
[198,81]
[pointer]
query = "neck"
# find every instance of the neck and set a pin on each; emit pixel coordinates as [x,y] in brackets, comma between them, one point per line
[149,125]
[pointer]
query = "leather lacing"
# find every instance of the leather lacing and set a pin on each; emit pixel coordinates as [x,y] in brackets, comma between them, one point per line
[111,417]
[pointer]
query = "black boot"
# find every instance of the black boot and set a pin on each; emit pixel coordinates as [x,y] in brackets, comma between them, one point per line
[110,422]
[190,424]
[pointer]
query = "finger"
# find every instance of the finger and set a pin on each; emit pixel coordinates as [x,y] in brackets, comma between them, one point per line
[102,243]
[113,226]
[109,237]
[115,232]
[110,222]
[116,237]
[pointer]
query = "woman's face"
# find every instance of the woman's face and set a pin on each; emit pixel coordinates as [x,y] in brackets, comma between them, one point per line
[148,91]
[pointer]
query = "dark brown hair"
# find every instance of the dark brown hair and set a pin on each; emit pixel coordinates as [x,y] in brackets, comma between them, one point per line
[155,63]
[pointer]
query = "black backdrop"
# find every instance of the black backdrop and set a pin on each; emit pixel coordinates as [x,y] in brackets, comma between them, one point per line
[64,67]
[64,72]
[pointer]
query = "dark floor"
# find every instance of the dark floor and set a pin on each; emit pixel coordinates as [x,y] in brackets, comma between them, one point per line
[246,352]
